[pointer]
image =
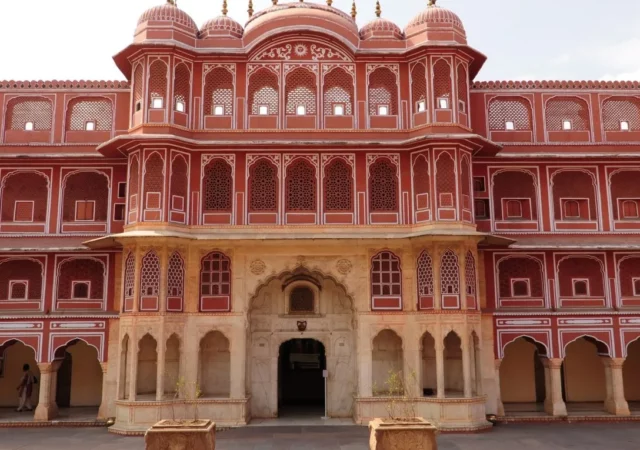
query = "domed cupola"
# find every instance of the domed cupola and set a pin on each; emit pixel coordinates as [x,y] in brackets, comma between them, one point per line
[436,24]
[380,28]
[222,26]
[167,14]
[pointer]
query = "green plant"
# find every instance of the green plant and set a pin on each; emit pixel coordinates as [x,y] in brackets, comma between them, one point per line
[400,395]
[189,393]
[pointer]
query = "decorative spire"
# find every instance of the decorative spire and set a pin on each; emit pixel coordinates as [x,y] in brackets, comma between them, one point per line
[275,2]
[172,2]
[432,3]
[224,8]
[329,2]
[378,9]
[250,10]
[354,11]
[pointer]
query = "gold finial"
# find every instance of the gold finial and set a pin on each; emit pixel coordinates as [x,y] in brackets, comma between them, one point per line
[172,2]
[329,2]
[432,3]
[378,9]
[250,10]
[275,2]
[354,11]
[224,8]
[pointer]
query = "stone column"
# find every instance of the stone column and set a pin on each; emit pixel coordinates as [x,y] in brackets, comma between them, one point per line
[104,403]
[238,367]
[553,404]
[461,252]
[440,366]
[162,354]
[615,402]
[47,408]
[133,363]
[164,267]
[436,256]
[500,405]
[466,364]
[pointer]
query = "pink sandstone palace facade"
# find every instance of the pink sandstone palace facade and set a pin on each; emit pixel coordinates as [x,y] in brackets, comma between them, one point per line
[259,203]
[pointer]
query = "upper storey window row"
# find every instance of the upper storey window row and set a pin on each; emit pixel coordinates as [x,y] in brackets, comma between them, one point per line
[563,118]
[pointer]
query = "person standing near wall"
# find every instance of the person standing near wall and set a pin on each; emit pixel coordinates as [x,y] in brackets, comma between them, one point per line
[25,389]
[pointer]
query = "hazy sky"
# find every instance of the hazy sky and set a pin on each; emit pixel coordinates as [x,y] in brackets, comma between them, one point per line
[523,39]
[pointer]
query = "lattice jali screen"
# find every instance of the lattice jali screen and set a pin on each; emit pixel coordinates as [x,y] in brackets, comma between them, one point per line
[215,275]
[418,85]
[25,187]
[29,109]
[263,186]
[617,110]
[386,276]
[510,109]
[445,179]
[133,186]
[150,275]
[301,88]
[179,181]
[580,268]
[138,84]
[175,276]
[264,90]
[338,89]
[154,179]
[442,85]
[421,178]
[470,273]
[425,274]
[81,111]
[463,84]
[218,91]
[301,186]
[21,269]
[182,86]
[514,184]
[301,300]
[624,185]
[465,181]
[86,186]
[218,186]
[338,186]
[129,276]
[157,80]
[81,270]
[383,91]
[449,273]
[383,186]
[573,109]
[520,268]
[629,269]
[572,184]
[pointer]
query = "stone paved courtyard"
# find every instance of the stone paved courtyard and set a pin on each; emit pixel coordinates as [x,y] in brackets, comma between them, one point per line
[505,437]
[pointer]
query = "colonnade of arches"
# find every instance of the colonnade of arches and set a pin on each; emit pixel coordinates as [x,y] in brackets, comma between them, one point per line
[160,373]
[449,368]
[586,379]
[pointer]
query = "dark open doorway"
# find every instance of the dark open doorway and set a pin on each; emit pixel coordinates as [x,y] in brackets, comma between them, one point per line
[300,381]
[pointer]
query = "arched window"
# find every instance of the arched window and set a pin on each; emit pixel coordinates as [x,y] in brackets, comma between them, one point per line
[463,89]
[470,274]
[179,189]
[383,93]
[581,277]
[338,186]
[567,114]
[134,188]
[301,89]
[449,274]
[129,282]
[520,277]
[25,197]
[442,85]
[153,183]
[37,111]
[383,186]
[80,278]
[301,301]
[157,85]
[263,187]
[80,290]
[422,184]
[150,275]
[89,114]
[386,281]
[138,87]
[419,88]
[218,186]
[264,91]
[86,196]
[465,181]
[625,194]
[215,282]
[510,114]
[621,114]
[175,282]
[301,186]
[338,93]
[424,271]
[446,180]
[21,279]
[181,88]
[218,92]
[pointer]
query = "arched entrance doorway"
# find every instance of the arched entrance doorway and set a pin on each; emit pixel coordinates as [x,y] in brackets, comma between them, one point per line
[301,363]
[583,372]
[13,356]
[79,376]
[522,380]
[631,375]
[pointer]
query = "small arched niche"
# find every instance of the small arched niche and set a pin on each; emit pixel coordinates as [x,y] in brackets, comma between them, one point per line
[301,295]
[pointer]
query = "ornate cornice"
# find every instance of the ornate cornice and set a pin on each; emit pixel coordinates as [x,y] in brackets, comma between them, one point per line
[64,84]
[555,84]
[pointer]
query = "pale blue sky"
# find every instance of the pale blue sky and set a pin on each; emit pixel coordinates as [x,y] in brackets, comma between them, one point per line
[523,39]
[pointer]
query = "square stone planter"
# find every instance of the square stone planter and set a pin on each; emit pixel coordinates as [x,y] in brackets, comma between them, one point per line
[181,435]
[414,434]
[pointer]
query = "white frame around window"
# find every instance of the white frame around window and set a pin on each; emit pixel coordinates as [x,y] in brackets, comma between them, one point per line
[26,289]
[567,125]
[29,126]
[263,110]
[621,204]
[301,110]
[180,106]
[90,125]
[157,103]
[580,280]
[443,103]
[421,106]
[527,281]
[121,183]
[579,201]
[93,216]
[383,110]
[218,110]
[15,210]
[339,109]
[636,289]
[510,125]
[506,214]
[624,125]
[73,288]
